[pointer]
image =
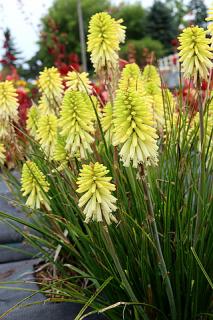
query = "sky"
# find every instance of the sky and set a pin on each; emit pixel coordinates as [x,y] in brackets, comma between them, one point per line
[22,17]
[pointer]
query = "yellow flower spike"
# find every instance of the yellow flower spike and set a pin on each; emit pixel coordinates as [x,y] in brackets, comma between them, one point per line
[195,53]
[32,120]
[50,85]
[133,129]
[78,82]
[131,77]
[97,198]
[150,74]
[76,123]
[35,186]
[152,86]
[107,122]
[50,82]
[2,154]
[47,105]
[47,133]
[105,35]
[60,153]
[8,102]
[154,93]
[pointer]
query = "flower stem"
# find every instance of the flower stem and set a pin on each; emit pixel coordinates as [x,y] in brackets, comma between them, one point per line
[202,167]
[122,275]
[161,261]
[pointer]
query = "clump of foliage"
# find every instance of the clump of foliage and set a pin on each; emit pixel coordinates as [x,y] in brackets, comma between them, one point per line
[120,194]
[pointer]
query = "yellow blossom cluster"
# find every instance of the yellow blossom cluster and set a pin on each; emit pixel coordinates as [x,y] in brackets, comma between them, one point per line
[152,86]
[105,35]
[8,115]
[97,200]
[35,186]
[51,87]
[78,81]
[195,53]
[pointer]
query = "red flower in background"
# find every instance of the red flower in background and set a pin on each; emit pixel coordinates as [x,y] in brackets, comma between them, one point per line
[122,63]
[24,104]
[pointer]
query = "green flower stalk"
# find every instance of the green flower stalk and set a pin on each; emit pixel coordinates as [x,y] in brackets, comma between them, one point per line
[50,85]
[35,186]
[32,120]
[78,82]
[8,102]
[208,120]
[195,53]
[105,35]
[47,133]
[133,129]
[2,154]
[76,123]
[97,200]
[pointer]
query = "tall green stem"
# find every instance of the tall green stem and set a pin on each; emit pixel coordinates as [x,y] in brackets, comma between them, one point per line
[202,167]
[122,275]
[161,261]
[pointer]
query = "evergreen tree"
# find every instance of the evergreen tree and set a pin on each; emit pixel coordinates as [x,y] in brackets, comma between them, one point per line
[161,24]
[199,9]
[11,55]
[10,60]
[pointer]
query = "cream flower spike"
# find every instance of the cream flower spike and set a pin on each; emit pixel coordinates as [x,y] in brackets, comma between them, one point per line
[47,133]
[35,186]
[133,129]
[150,74]
[60,153]
[2,154]
[8,102]
[32,120]
[152,86]
[105,35]
[77,81]
[131,77]
[154,93]
[107,122]
[76,123]
[97,200]
[195,53]
[50,85]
